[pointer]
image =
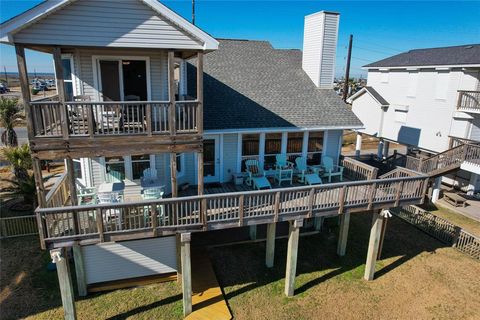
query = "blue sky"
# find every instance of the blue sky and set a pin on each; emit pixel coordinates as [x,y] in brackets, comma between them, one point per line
[380,29]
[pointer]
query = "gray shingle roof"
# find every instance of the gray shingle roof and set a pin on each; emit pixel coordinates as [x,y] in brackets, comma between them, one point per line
[458,55]
[377,96]
[249,84]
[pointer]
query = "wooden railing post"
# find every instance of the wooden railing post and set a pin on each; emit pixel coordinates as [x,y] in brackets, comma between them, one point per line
[90,120]
[399,193]
[371,196]
[341,199]
[149,119]
[99,219]
[204,214]
[276,208]
[154,217]
[241,201]
[311,196]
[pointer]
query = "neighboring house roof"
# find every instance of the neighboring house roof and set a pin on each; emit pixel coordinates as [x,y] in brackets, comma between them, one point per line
[464,55]
[249,84]
[372,92]
[46,8]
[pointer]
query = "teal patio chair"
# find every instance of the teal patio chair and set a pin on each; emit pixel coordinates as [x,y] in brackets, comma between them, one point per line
[331,170]
[114,176]
[306,174]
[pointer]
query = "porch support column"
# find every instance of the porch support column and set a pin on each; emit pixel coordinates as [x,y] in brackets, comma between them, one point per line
[200,120]
[252,230]
[171,93]
[80,270]
[71,181]
[173,173]
[200,172]
[270,245]
[60,258]
[358,145]
[472,185]
[374,245]
[380,149]
[41,197]
[343,236]
[178,247]
[292,250]
[25,88]
[386,148]
[57,59]
[437,183]
[318,223]
[186,273]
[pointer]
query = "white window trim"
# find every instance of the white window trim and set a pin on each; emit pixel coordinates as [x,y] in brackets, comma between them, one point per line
[97,84]
[128,167]
[73,74]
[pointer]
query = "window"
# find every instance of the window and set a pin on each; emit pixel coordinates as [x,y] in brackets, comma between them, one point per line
[115,167]
[441,85]
[412,84]
[273,146]
[180,164]
[77,169]
[401,116]
[139,164]
[250,147]
[315,147]
[67,63]
[294,145]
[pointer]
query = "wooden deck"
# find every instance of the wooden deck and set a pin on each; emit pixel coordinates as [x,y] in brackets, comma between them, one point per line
[207,299]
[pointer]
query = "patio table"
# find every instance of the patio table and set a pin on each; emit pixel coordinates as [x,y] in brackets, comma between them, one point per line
[109,187]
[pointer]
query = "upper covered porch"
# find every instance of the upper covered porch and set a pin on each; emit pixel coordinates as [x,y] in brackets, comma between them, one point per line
[113,79]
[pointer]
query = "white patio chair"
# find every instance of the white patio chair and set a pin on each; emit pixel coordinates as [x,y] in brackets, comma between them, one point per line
[150,173]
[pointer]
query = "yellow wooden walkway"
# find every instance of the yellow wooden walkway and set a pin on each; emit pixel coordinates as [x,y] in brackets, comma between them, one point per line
[207,299]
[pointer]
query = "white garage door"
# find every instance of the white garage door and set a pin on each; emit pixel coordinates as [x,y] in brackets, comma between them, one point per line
[129,259]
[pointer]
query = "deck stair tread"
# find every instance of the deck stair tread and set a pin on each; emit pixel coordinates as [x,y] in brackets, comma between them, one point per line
[207,298]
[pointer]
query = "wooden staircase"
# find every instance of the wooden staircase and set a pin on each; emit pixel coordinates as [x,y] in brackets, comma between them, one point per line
[446,161]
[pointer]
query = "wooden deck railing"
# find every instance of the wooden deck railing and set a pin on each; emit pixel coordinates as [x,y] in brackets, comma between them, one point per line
[441,229]
[447,160]
[357,170]
[456,141]
[468,101]
[111,118]
[399,172]
[110,222]
[59,194]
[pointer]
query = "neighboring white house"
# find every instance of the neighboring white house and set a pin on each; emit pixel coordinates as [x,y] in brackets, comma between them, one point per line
[423,99]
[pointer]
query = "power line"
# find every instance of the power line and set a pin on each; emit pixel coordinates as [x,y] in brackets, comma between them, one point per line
[372,50]
[380,46]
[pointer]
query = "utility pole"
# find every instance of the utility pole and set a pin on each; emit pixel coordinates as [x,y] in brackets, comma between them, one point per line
[193,12]
[6,77]
[347,70]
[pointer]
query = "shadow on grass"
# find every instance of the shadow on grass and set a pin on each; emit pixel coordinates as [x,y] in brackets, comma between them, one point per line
[147,307]
[243,265]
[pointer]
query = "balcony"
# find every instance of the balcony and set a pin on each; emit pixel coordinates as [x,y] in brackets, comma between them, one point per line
[84,128]
[468,101]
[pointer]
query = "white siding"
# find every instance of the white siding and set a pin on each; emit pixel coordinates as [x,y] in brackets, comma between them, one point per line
[230,151]
[475,129]
[319,48]
[129,259]
[98,174]
[369,112]
[158,69]
[429,120]
[107,23]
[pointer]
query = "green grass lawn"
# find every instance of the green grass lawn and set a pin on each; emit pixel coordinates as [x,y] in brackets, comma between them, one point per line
[417,278]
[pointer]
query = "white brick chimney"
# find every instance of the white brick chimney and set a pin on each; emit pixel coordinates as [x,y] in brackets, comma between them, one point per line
[319,47]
